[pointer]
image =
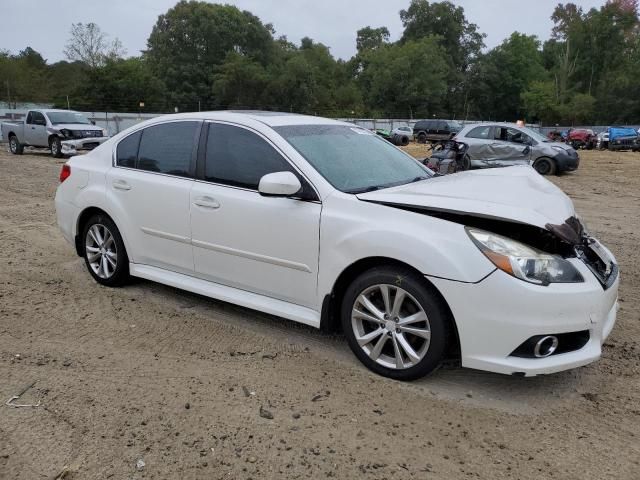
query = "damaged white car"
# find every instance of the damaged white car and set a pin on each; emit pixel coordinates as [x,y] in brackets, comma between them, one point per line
[324,223]
[63,132]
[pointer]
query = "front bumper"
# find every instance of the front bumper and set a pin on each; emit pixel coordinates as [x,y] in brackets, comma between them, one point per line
[498,314]
[72,147]
[567,161]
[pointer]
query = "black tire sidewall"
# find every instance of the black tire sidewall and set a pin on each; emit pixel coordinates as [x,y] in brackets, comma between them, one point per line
[14,145]
[56,141]
[545,160]
[121,275]
[425,295]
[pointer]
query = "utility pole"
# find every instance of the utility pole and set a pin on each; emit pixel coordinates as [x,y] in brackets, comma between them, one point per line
[198,105]
[8,94]
[68,107]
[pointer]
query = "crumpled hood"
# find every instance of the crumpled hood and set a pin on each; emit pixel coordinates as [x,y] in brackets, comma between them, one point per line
[517,194]
[75,126]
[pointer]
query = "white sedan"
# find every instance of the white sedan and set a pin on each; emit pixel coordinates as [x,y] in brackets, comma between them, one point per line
[326,224]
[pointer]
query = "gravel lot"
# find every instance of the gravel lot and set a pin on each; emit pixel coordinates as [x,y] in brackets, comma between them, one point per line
[178,381]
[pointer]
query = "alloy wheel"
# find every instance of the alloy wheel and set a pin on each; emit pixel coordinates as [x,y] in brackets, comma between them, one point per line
[391,326]
[101,250]
[13,145]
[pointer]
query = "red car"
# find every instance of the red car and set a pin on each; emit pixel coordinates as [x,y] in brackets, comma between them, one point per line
[582,138]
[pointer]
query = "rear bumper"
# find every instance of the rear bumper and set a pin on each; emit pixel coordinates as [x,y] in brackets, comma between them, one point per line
[72,147]
[498,314]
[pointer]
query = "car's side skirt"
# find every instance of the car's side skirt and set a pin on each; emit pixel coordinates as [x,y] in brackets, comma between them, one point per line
[225,293]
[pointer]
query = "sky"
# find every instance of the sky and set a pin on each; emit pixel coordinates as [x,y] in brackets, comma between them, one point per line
[44,24]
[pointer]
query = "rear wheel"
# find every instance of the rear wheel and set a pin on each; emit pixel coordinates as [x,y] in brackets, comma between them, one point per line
[104,252]
[14,145]
[56,147]
[422,137]
[395,325]
[545,166]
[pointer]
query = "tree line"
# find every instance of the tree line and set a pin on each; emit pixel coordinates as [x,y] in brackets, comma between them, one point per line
[203,56]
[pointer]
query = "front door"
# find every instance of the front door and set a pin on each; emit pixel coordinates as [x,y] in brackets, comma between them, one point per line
[35,130]
[264,245]
[150,187]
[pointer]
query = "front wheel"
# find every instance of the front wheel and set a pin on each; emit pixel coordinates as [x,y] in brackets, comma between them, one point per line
[394,323]
[56,147]
[104,252]
[14,145]
[545,166]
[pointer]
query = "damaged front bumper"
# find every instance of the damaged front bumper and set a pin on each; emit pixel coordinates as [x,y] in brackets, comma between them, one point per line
[491,330]
[72,147]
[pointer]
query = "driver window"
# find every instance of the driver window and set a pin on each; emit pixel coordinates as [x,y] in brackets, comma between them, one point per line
[30,118]
[38,119]
[515,136]
[238,157]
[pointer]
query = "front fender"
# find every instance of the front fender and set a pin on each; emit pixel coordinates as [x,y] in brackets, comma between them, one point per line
[352,230]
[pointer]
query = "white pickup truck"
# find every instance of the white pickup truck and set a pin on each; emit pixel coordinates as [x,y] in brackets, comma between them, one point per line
[64,132]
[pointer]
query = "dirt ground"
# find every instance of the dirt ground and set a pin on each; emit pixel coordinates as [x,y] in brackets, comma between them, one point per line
[178,381]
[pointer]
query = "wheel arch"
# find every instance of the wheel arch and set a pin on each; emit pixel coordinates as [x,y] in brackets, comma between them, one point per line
[330,315]
[84,216]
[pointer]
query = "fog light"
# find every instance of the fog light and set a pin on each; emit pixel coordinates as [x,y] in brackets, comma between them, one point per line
[545,346]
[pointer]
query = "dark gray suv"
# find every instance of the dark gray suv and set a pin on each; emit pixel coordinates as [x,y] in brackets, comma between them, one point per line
[506,144]
[435,131]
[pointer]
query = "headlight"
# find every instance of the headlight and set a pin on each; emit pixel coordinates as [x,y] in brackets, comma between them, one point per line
[522,261]
[104,132]
[66,133]
[560,149]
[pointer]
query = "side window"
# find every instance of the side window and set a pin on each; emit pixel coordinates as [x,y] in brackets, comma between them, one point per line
[516,136]
[168,148]
[127,151]
[480,132]
[38,118]
[30,118]
[240,158]
[441,126]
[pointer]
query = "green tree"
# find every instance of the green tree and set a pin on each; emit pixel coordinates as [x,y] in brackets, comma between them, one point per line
[192,40]
[371,38]
[503,74]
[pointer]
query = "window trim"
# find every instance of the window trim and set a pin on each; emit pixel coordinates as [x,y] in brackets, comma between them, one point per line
[202,155]
[194,151]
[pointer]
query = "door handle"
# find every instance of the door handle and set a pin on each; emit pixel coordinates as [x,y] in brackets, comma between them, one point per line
[121,185]
[206,202]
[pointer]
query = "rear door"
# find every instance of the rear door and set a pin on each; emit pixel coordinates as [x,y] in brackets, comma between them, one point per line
[35,130]
[264,245]
[150,187]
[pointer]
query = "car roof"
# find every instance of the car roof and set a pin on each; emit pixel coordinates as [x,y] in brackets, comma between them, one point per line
[271,119]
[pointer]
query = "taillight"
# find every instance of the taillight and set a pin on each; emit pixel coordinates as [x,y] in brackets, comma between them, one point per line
[65,172]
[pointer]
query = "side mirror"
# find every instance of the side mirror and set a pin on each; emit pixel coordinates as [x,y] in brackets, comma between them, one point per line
[279,184]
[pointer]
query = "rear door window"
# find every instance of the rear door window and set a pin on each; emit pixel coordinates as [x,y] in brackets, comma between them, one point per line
[127,151]
[169,148]
[480,132]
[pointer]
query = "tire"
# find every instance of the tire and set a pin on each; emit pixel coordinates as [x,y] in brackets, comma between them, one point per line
[100,256]
[14,145]
[404,140]
[384,337]
[545,166]
[422,137]
[466,162]
[56,147]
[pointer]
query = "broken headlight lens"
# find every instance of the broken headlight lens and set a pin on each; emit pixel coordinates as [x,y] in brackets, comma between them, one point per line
[524,262]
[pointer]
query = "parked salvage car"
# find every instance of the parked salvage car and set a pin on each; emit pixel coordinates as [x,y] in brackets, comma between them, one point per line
[602,142]
[435,131]
[506,144]
[403,131]
[623,138]
[581,138]
[63,132]
[325,223]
